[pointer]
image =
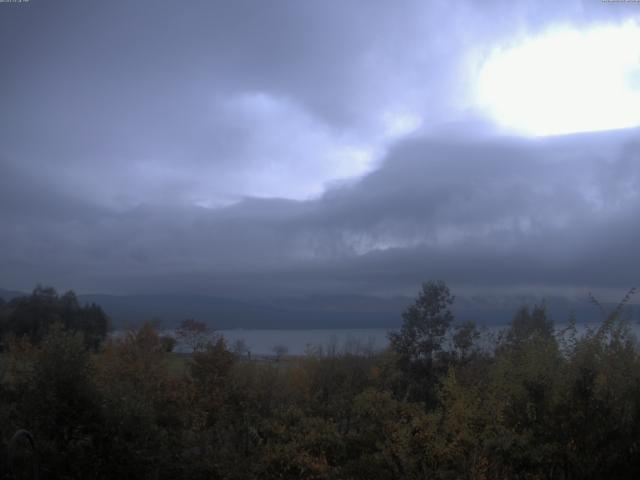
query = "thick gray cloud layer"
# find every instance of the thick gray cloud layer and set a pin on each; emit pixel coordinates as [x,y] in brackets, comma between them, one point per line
[498,212]
[293,147]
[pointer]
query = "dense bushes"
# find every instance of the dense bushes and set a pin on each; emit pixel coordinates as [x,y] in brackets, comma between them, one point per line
[443,402]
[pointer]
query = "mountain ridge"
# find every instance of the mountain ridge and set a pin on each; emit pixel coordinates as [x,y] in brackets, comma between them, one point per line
[317,311]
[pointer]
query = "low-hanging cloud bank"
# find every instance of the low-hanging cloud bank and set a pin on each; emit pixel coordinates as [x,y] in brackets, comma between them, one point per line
[495,212]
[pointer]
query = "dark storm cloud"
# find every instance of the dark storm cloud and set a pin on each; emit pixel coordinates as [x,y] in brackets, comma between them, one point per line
[503,212]
[121,121]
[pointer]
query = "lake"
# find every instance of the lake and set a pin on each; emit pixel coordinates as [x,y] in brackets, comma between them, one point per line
[298,342]
[261,342]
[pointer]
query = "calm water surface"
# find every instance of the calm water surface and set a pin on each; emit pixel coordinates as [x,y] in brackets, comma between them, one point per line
[301,341]
[298,342]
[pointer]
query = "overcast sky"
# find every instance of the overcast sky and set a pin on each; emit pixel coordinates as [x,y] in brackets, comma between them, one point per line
[277,147]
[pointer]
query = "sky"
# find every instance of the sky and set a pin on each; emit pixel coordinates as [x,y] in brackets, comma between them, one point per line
[273,148]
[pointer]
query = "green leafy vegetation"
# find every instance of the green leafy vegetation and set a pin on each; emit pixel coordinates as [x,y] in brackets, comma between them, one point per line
[444,401]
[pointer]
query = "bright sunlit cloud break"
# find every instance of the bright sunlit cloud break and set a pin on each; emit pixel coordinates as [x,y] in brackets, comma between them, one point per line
[565,81]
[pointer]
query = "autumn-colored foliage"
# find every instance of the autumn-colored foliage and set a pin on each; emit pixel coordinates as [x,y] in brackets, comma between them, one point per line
[442,402]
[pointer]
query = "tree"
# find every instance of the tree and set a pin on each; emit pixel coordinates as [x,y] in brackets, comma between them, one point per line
[418,344]
[528,323]
[426,324]
[193,333]
[279,351]
[168,343]
[142,407]
[464,339]
[240,348]
[32,316]
[59,402]
[209,369]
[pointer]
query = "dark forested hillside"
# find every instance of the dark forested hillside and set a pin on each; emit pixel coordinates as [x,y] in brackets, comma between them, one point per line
[337,311]
[317,311]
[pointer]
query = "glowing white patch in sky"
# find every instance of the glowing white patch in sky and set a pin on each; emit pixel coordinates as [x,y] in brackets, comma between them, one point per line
[355,159]
[398,124]
[565,81]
